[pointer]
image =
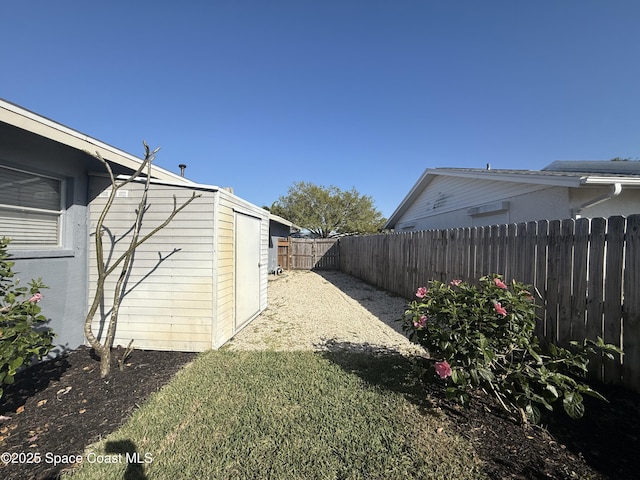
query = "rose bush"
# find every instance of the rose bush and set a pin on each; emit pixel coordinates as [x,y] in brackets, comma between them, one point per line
[23,336]
[483,336]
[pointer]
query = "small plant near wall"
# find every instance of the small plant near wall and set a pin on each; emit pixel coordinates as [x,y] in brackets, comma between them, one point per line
[23,336]
[482,336]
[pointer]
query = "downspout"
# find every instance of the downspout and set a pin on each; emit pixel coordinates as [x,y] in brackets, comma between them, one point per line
[614,191]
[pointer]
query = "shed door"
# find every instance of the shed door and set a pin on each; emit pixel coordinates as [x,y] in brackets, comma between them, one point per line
[247,268]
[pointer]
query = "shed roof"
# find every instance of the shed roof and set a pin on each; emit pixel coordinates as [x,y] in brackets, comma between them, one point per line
[283,221]
[24,119]
[563,174]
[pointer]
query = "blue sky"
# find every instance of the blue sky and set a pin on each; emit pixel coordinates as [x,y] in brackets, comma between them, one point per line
[367,94]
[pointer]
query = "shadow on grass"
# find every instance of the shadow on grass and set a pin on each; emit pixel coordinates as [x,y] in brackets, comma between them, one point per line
[129,454]
[380,367]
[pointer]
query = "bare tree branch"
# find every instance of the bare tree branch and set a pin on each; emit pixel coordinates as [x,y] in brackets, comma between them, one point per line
[104,349]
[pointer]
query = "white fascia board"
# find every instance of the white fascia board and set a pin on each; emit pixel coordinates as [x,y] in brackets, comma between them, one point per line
[630,181]
[552,180]
[34,123]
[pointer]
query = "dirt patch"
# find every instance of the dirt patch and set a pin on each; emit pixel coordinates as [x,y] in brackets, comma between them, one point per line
[321,311]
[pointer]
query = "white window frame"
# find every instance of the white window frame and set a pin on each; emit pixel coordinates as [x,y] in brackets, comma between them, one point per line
[60,213]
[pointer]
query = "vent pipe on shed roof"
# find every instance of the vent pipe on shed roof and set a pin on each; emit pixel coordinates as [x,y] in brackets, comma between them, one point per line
[182,166]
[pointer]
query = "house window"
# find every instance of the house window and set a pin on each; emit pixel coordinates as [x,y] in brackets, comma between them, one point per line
[30,208]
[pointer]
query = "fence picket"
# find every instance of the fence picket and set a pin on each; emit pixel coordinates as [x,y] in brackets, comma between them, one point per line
[565,267]
[595,289]
[553,257]
[613,292]
[540,286]
[579,296]
[631,345]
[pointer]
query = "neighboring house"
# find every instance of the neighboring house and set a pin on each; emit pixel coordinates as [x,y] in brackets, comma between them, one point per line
[192,299]
[278,228]
[462,197]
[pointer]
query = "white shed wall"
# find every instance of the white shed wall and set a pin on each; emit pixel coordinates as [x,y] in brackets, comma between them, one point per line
[169,305]
[227,204]
[186,302]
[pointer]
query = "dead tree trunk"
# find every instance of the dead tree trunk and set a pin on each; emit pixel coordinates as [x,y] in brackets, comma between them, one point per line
[103,349]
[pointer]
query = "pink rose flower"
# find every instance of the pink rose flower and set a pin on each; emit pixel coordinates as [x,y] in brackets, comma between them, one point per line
[456,282]
[443,369]
[499,283]
[421,292]
[420,323]
[500,309]
[36,298]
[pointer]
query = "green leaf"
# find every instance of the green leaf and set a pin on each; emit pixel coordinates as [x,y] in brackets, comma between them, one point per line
[16,363]
[533,413]
[486,374]
[535,355]
[573,405]
[456,376]
[553,391]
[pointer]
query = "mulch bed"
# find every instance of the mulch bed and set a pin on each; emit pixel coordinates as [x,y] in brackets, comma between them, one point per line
[603,444]
[62,406]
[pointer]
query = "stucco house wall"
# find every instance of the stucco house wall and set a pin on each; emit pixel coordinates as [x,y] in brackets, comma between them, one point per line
[62,268]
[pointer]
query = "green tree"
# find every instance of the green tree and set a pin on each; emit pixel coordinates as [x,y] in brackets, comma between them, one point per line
[328,212]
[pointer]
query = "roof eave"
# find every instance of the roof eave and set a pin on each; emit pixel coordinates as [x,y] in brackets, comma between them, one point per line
[569,180]
[19,117]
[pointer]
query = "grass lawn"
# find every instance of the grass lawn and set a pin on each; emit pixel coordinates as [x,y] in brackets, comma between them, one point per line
[285,415]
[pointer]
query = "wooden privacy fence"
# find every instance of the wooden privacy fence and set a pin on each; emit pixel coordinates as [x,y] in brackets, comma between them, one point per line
[283,253]
[587,272]
[316,253]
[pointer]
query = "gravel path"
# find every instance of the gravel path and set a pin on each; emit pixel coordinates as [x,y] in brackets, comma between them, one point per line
[326,310]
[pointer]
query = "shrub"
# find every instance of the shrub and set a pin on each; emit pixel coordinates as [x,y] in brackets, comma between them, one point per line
[483,336]
[23,337]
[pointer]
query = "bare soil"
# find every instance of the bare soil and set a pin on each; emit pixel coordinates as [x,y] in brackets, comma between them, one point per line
[62,406]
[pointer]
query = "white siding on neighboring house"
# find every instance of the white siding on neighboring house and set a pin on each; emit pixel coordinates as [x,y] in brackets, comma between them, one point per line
[447,202]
